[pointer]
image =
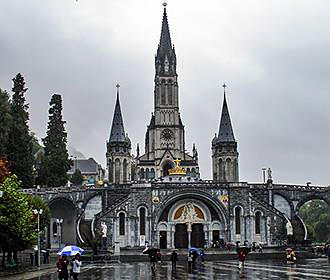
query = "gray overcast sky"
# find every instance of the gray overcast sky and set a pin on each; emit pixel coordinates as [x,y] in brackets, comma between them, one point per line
[273,55]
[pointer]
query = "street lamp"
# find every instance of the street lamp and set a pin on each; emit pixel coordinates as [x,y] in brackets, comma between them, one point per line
[38,213]
[59,234]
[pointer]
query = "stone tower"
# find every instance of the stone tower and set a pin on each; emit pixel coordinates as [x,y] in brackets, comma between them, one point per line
[165,136]
[224,149]
[118,149]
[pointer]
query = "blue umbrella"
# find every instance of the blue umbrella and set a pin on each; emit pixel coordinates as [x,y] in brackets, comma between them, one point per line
[193,249]
[70,251]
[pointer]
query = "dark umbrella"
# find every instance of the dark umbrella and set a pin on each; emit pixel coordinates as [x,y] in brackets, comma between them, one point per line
[150,251]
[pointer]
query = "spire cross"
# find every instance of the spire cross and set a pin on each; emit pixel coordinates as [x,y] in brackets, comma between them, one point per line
[224,88]
[117,86]
[164,4]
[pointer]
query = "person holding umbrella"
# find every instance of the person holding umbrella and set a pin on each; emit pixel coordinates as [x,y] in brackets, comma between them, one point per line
[62,268]
[76,264]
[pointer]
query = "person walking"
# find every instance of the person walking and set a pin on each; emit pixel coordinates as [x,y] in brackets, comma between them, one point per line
[241,259]
[76,264]
[174,259]
[62,268]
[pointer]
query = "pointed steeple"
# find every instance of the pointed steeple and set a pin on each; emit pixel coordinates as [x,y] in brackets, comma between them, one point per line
[165,37]
[165,60]
[226,133]
[117,133]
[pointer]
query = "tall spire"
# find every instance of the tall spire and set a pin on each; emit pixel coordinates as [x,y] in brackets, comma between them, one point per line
[165,60]
[226,133]
[165,37]
[117,133]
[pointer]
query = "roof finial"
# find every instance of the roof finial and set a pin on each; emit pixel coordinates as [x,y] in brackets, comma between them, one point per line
[117,86]
[224,88]
[164,4]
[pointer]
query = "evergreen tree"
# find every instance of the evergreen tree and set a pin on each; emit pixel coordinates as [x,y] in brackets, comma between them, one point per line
[4,121]
[76,178]
[56,153]
[19,146]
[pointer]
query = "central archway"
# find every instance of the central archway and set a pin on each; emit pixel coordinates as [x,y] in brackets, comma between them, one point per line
[166,167]
[192,220]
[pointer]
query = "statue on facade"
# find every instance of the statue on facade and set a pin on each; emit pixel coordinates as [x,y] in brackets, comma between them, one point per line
[104,230]
[269,174]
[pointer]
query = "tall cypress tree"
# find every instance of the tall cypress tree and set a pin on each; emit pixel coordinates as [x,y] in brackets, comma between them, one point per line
[5,118]
[19,147]
[56,153]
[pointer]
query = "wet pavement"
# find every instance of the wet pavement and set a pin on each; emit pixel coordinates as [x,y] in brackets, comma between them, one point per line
[272,269]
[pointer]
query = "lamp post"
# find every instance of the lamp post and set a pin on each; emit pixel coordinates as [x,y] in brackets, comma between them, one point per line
[38,213]
[59,234]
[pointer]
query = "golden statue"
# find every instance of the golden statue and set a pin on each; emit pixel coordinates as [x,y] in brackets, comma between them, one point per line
[177,170]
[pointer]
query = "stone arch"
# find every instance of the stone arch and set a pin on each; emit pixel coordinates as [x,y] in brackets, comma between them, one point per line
[142,213]
[62,208]
[210,201]
[282,203]
[313,196]
[166,166]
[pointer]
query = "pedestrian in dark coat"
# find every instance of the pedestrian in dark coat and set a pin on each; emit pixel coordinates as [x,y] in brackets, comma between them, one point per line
[62,268]
[174,259]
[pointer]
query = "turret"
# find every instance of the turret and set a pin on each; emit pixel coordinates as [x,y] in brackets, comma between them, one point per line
[118,148]
[224,149]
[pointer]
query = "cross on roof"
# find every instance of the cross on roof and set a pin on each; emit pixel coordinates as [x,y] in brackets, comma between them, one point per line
[164,4]
[224,88]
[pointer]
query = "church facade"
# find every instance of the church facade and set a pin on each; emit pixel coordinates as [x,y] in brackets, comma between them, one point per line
[157,197]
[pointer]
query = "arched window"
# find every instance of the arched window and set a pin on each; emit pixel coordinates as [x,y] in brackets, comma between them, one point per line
[54,228]
[228,171]
[152,173]
[188,171]
[235,170]
[162,92]
[258,222]
[142,173]
[238,211]
[121,224]
[147,173]
[169,94]
[193,172]
[142,221]
[117,171]
[110,171]
[125,170]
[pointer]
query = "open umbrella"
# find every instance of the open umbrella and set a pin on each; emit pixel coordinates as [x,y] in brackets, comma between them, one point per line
[70,251]
[150,251]
[194,250]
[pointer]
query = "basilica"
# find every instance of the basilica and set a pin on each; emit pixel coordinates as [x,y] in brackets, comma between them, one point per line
[157,197]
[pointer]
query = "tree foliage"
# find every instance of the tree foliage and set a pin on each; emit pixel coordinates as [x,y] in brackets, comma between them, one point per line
[316,216]
[17,226]
[19,145]
[5,119]
[38,203]
[56,162]
[76,178]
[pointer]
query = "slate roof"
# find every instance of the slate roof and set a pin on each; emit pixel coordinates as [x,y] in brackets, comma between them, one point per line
[117,133]
[226,133]
[86,166]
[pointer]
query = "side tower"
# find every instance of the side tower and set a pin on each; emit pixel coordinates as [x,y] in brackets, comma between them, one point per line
[118,149]
[224,149]
[165,136]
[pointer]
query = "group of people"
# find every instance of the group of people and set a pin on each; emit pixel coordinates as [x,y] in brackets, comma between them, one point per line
[62,267]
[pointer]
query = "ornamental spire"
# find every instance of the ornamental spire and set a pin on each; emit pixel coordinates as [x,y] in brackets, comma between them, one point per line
[117,133]
[226,133]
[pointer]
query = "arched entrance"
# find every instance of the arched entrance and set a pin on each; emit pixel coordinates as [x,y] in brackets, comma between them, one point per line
[62,229]
[192,219]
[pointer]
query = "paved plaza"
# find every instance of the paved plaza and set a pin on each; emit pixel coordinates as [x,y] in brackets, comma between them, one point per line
[305,269]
